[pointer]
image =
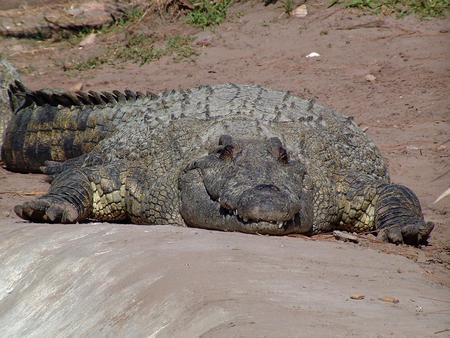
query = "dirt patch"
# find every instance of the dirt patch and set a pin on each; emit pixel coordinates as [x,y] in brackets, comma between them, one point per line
[40,19]
[404,105]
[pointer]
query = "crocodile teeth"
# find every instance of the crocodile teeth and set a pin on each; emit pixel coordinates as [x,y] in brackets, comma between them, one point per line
[245,219]
[235,213]
[280,225]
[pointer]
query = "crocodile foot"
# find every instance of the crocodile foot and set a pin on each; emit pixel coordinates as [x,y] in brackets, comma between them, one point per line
[47,211]
[412,233]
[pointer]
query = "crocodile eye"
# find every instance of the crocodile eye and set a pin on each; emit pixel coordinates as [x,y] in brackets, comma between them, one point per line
[226,153]
[283,156]
[278,150]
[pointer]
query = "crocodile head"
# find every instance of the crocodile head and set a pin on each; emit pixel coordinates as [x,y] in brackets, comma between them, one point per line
[247,185]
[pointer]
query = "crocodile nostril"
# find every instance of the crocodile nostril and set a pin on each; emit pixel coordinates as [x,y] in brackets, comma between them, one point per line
[267,202]
[267,187]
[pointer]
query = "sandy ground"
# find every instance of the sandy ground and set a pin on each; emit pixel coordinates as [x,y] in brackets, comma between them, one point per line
[167,282]
[133,281]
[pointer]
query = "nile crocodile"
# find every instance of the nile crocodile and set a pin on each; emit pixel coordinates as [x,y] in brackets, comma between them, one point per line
[227,157]
[8,75]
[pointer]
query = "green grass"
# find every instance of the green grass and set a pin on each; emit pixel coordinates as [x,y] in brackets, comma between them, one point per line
[208,13]
[130,17]
[180,47]
[90,63]
[421,8]
[76,38]
[288,6]
[140,49]
[119,25]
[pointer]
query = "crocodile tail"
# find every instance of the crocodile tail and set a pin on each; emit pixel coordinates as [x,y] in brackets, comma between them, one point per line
[36,134]
[8,76]
[56,125]
[21,97]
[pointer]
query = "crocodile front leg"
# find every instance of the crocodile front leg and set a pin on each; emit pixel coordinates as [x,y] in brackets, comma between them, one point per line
[399,217]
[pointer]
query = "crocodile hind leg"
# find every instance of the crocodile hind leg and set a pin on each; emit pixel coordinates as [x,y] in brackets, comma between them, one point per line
[391,210]
[68,201]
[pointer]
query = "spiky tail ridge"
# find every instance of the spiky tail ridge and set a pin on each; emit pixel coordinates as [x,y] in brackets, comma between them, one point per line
[59,125]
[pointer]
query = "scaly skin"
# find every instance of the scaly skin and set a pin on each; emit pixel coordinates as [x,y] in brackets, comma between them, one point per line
[56,125]
[8,75]
[227,157]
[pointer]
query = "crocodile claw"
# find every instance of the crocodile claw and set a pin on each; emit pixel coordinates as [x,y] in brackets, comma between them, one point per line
[45,211]
[413,233]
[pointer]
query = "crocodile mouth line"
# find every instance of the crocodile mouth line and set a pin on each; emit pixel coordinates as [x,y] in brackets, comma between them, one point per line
[233,214]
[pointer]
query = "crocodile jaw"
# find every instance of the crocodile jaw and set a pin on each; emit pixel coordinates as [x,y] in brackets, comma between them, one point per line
[199,210]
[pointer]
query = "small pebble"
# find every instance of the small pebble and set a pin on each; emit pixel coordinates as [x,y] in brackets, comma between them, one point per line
[300,12]
[88,40]
[370,77]
[389,299]
[313,55]
[357,296]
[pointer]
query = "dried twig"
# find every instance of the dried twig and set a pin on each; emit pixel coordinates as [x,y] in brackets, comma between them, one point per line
[326,16]
[443,195]
[441,331]
[370,24]
[140,19]
[345,236]
[23,193]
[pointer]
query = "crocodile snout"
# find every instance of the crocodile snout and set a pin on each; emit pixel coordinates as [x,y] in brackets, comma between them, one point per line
[267,202]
